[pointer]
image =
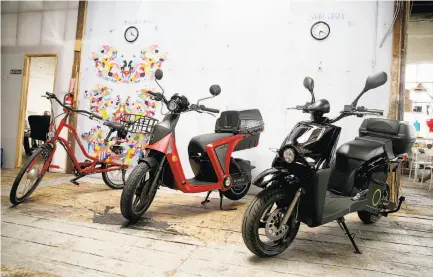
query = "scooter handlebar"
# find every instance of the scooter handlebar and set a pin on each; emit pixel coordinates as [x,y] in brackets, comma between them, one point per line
[204,108]
[375,111]
[362,109]
[158,96]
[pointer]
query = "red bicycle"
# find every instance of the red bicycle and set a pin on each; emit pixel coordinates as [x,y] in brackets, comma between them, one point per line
[37,165]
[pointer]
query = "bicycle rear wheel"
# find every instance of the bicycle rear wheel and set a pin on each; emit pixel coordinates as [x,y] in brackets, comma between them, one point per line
[30,175]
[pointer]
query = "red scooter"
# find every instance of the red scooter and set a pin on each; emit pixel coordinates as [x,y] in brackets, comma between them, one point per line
[210,155]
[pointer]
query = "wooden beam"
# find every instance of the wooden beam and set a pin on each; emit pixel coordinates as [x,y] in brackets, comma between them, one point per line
[81,25]
[399,49]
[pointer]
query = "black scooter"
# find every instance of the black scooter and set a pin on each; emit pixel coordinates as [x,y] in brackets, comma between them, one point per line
[312,183]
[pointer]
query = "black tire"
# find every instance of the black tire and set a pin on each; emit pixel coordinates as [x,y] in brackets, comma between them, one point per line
[252,222]
[137,183]
[13,197]
[114,184]
[368,218]
[237,193]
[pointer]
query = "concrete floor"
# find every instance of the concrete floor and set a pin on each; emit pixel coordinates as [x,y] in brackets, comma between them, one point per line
[64,230]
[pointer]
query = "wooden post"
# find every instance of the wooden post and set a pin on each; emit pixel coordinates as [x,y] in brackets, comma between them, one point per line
[81,25]
[399,49]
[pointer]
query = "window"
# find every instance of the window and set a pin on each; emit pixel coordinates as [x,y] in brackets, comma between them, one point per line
[420,73]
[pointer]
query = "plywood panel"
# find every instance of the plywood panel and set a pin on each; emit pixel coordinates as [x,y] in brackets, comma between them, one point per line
[9,29]
[73,4]
[30,6]
[53,27]
[9,6]
[71,25]
[55,5]
[29,28]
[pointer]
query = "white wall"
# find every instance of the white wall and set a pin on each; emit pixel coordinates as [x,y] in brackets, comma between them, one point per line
[42,70]
[257,51]
[33,27]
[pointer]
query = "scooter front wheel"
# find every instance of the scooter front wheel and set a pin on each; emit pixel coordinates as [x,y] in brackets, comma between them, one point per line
[261,228]
[137,195]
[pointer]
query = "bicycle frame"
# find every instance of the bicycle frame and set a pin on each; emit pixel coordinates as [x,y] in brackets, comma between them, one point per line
[89,167]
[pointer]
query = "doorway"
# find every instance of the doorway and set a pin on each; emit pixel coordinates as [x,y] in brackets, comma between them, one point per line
[39,76]
[418,101]
[417,104]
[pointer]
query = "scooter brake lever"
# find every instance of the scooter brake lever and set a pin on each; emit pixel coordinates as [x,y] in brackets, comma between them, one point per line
[209,114]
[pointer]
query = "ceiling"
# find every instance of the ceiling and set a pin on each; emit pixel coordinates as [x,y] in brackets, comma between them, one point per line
[421,10]
[420,32]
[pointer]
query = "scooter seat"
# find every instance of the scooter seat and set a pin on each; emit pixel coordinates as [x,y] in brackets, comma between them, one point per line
[198,144]
[362,149]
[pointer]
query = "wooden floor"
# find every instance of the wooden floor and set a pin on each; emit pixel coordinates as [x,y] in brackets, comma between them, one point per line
[66,230]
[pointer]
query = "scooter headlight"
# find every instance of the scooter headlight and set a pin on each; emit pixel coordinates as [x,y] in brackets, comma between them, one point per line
[289,155]
[172,105]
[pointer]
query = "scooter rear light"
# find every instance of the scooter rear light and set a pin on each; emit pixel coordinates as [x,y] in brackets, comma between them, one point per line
[256,143]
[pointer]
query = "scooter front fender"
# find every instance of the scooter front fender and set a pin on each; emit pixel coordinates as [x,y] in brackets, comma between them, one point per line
[269,175]
[150,161]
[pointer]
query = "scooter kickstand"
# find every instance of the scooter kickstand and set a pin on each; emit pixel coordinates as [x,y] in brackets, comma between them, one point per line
[206,199]
[221,204]
[343,226]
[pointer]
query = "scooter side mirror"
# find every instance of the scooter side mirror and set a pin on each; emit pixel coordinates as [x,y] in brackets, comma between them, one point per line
[215,90]
[309,84]
[373,81]
[376,80]
[159,74]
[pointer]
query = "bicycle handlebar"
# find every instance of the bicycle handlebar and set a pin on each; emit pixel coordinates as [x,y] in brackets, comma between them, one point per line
[91,115]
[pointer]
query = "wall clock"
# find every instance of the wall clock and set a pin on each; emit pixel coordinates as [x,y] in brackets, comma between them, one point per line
[320,30]
[131,34]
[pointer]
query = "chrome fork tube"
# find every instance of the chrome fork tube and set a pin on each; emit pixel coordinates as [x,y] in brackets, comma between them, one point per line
[291,207]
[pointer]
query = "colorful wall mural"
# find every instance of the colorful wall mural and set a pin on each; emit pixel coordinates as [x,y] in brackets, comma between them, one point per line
[113,104]
[118,68]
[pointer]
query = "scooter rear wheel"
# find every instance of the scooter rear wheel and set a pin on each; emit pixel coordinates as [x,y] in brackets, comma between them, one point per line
[259,216]
[368,218]
[136,195]
[236,193]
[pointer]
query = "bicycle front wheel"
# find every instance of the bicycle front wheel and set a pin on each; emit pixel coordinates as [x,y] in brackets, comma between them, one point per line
[30,175]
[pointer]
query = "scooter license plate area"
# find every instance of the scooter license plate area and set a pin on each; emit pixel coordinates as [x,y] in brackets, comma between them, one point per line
[376,192]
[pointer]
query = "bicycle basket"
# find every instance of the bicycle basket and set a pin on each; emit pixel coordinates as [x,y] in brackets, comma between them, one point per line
[136,123]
